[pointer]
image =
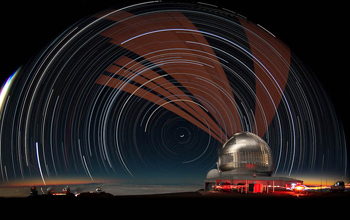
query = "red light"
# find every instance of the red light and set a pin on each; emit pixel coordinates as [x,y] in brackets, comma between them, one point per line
[249,166]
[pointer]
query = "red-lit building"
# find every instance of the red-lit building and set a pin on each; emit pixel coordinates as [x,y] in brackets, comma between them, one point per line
[246,183]
[245,165]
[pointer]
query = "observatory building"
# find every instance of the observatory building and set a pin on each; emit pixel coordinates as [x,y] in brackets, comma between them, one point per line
[245,164]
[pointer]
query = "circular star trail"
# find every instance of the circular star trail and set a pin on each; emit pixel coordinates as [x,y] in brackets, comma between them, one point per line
[153,90]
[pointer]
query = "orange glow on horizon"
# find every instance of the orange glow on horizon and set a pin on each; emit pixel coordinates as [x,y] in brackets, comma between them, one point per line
[321,180]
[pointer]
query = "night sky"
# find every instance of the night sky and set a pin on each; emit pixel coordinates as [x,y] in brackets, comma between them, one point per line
[93,118]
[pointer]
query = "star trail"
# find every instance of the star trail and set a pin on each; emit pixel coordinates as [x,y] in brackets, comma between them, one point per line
[153,90]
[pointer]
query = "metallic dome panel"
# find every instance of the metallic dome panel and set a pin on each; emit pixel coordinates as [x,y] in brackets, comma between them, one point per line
[246,153]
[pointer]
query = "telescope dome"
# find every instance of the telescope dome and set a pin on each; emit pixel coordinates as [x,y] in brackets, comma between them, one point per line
[245,153]
[214,173]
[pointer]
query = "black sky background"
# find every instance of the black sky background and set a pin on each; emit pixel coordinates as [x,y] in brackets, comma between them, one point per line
[318,34]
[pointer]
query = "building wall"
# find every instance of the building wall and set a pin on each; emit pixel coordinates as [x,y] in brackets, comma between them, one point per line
[266,184]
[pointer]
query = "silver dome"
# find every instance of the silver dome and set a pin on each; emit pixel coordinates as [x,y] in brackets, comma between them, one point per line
[214,173]
[246,153]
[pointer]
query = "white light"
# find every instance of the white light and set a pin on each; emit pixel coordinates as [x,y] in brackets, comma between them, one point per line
[37,157]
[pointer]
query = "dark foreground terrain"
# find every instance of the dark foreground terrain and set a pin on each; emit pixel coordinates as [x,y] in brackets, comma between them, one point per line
[192,198]
[190,205]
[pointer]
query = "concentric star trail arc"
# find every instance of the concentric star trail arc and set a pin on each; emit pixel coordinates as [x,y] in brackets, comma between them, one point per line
[153,90]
